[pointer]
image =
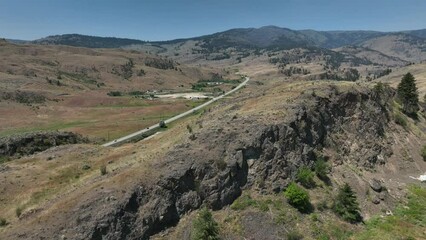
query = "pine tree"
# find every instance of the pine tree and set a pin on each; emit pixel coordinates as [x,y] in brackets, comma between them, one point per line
[205,227]
[407,93]
[346,205]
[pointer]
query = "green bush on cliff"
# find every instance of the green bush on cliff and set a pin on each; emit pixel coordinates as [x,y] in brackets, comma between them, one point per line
[298,197]
[205,227]
[305,177]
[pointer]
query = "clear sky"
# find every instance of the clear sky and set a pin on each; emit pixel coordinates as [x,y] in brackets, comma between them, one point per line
[171,19]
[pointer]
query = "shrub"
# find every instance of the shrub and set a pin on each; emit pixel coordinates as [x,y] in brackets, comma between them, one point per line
[322,168]
[243,202]
[103,169]
[294,235]
[322,206]
[115,94]
[4,159]
[306,177]
[205,227]
[423,153]
[221,164]
[3,222]
[136,93]
[298,197]
[346,205]
[18,211]
[189,128]
[141,73]
[400,120]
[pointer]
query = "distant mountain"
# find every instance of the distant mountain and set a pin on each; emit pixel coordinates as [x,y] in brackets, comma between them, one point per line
[401,45]
[78,40]
[418,33]
[335,39]
[282,38]
[17,41]
[264,37]
[269,37]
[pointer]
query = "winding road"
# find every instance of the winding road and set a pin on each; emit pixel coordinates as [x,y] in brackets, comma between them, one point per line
[138,133]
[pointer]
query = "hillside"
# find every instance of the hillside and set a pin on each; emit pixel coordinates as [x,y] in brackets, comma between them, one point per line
[261,137]
[375,51]
[403,46]
[89,91]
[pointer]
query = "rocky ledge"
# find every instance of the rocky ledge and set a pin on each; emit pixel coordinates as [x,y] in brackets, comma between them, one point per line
[26,144]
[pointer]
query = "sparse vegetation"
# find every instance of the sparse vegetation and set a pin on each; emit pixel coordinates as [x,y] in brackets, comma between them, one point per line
[384,73]
[135,93]
[125,70]
[4,159]
[379,88]
[103,169]
[221,164]
[294,235]
[322,168]
[423,152]
[141,73]
[18,211]
[243,202]
[352,74]
[79,76]
[205,227]
[407,222]
[346,205]
[160,63]
[3,222]
[24,97]
[298,197]
[189,128]
[115,94]
[294,70]
[400,120]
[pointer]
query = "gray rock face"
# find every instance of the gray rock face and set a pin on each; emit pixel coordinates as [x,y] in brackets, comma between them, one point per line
[274,156]
[36,142]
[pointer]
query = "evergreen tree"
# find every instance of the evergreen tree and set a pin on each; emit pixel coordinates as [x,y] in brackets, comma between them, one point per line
[407,93]
[346,205]
[205,227]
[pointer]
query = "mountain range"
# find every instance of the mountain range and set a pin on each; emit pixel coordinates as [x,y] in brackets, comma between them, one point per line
[263,37]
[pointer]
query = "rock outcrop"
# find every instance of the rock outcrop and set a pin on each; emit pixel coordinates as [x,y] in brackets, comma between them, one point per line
[26,144]
[347,122]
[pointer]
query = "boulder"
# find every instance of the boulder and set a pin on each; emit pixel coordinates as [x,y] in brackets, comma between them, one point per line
[375,185]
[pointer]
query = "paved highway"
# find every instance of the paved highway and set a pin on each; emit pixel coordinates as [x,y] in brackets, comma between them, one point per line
[138,133]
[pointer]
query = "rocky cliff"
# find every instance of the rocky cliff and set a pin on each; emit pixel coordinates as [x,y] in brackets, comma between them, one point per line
[352,123]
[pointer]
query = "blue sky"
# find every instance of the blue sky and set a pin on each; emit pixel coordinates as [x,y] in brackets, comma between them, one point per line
[170,19]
